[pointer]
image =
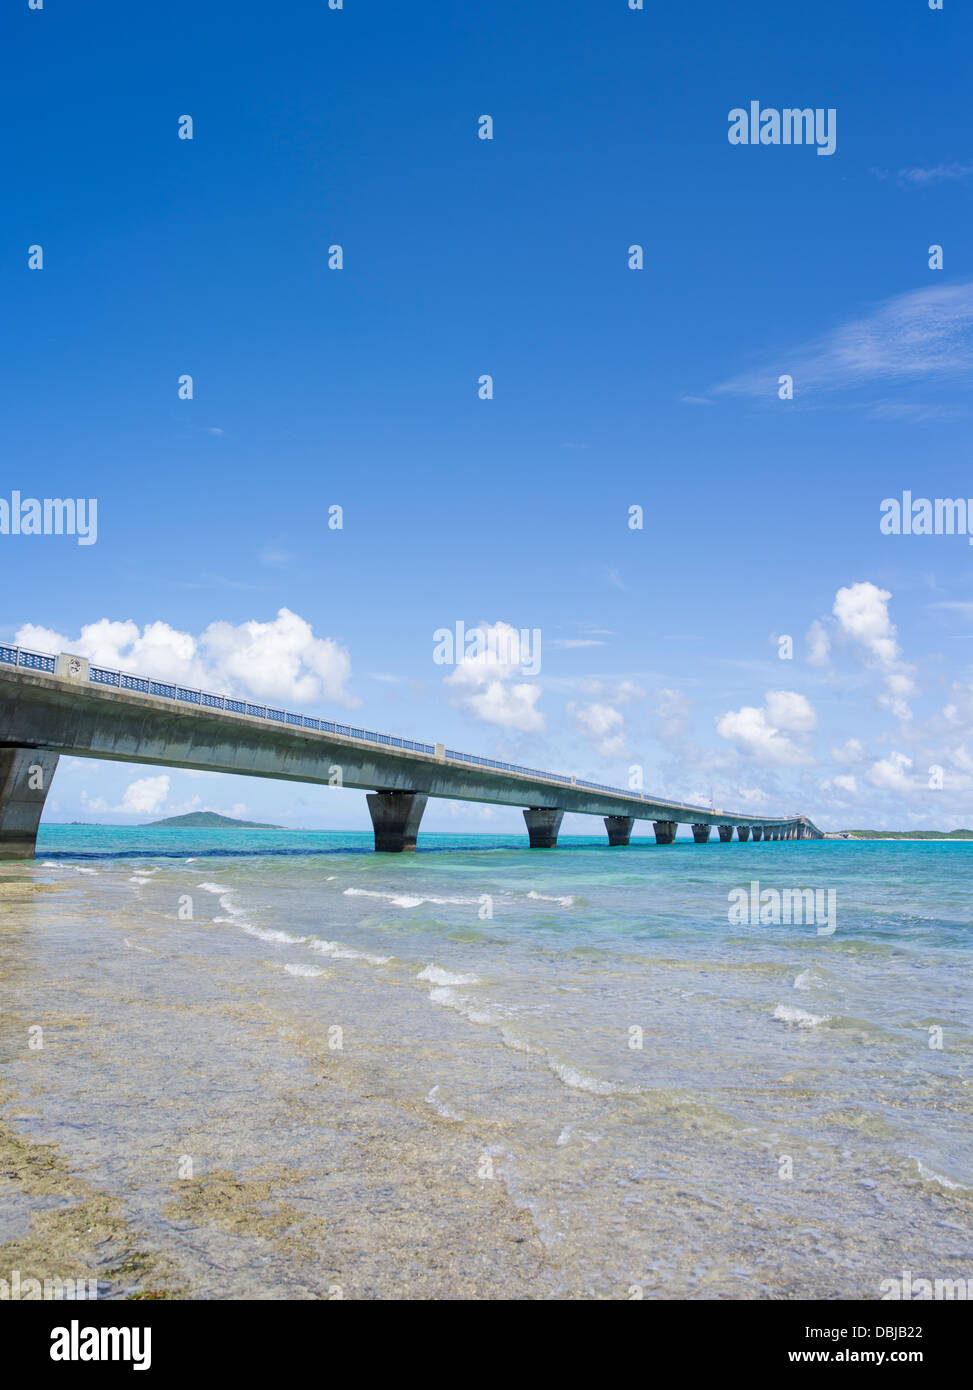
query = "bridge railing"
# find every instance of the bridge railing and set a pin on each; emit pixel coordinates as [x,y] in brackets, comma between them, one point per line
[33,661]
[168,690]
[173,690]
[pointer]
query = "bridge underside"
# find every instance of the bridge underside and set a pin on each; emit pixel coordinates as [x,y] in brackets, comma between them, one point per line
[43,717]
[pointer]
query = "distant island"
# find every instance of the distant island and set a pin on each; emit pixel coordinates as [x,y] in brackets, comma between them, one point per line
[901,835]
[210,820]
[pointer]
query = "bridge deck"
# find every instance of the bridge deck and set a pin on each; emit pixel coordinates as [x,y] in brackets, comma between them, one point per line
[68,708]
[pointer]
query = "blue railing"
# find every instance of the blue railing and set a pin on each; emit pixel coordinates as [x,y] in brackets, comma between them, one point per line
[101,675]
[33,661]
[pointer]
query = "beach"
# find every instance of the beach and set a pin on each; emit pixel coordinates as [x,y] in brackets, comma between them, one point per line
[281,1066]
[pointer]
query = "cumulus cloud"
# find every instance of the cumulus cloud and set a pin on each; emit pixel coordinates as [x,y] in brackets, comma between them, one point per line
[144,797]
[603,725]
[280,661]
[489,685]
[893,773]
[602,722]
[765,734]
[851,751]
[863,617]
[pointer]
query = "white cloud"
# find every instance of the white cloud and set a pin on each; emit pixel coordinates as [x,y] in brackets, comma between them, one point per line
[919,334]
[954,172]
[892,773]
[863,617]
[601,722]
[764,734]
[851,751]
[484,681]
[509,706]
[786,709]
[145,797]
[603,725]
[281,660]
[846,782]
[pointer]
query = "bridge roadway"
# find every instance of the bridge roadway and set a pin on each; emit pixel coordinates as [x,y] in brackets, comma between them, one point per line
[60,705]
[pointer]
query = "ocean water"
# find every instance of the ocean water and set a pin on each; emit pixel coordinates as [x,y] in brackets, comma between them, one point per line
[306,1070]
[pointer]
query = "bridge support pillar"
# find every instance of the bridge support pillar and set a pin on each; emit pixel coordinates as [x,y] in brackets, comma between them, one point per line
[543,823]
[25,780]
[726,832]
[758,832]
[665,831]
[395,819]
[775,833]
[743,832]
[701,833]
[619,829]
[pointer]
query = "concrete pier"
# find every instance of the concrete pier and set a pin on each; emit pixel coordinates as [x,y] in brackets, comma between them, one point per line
[701,833]
[395,819]
[726,832]
[758,832]
[743,832]
[665,831]
[25,780]
[543,823]
[619,829]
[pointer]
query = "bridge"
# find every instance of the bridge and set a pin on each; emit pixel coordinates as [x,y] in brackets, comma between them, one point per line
[54,705]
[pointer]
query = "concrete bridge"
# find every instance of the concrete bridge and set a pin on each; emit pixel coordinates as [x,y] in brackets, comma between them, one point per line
[51,705]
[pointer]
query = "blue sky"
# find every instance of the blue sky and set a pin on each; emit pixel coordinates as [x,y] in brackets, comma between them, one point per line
[612,387]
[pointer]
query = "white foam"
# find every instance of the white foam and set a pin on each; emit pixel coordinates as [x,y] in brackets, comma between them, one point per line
[406,899]
[928,1175]
[282,938]
[437,976]
[544,898]
[580,1081]
[78,870]
[213,888]
[308,971]
[339,952]
[443,994]
[786,1013]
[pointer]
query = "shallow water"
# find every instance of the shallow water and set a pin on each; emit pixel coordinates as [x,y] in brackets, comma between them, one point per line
[483,1071]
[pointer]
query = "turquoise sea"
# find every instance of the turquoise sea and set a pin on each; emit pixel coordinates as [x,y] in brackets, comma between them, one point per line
[484,1071]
